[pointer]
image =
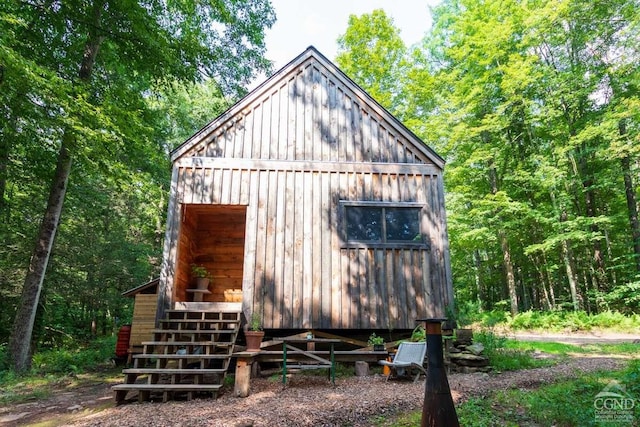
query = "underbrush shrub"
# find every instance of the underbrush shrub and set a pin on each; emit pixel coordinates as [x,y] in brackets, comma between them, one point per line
[631,378]
[81,357]
[468,312]
[527,320]
[492,318]
[476,412]
[565,403]
[6,373]
[502,358]
[572,320]
[490,340]
[615,319]
[4,358]
[576,321]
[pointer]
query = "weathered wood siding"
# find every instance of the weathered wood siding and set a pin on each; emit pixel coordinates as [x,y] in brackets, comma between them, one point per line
[291,152]
[309,115]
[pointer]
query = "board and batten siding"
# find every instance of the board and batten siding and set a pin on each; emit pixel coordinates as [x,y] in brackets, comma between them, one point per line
[309,116]
[292,152]
[298,270]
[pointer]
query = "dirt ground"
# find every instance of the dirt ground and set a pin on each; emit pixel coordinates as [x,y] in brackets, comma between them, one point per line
[307,400]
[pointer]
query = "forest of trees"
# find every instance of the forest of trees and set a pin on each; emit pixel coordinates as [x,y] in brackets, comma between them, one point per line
[93,96]
[535,106]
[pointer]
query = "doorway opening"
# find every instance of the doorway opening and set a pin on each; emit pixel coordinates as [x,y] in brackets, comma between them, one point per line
[211,236]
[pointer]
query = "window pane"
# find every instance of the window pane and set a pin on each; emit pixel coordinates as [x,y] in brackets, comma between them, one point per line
[364,223]
[403,224]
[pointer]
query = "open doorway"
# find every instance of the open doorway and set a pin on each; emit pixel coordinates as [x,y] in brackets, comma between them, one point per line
[211,236]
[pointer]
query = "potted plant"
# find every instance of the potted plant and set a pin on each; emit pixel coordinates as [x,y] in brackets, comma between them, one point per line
[254,333]
[376,342]
[202,275]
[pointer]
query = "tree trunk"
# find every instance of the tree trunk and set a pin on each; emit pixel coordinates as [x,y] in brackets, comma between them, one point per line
[478,273]
[545,300]
[20,340]
[576,296]
[597,260]
[632,207]
[4,165]
[552,294]
[506,250]
[508,267]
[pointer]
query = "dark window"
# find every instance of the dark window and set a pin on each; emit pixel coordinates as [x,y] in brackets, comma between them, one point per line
[382,224]
[364,223]
[403,224]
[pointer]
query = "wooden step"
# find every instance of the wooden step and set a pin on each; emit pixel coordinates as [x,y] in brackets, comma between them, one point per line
[203,318]
[226,308]
[194,331]
[189,343]
[172,387]
[181,356]
[199,321]
[146,371]
[181,328]
[144,390]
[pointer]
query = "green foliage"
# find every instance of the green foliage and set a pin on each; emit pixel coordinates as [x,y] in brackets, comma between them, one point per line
[406,420]
[507,359]
[373,54]
[200,271]
[568,349]
[476,412]
[567,403]
[492,318]
[537,126]
[532,320]
[55,367]
[468,313]
[559,320]
[344,370]
[631,378]
[418,334]
[4,359]
[625,298]
[74,359]
[255,324]
[574,321]
[122,112]
[375,340]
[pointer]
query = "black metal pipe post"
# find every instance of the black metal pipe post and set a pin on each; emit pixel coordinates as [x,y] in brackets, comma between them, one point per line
[437,408]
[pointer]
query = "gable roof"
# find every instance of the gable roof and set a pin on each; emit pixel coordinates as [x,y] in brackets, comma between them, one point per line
[310,54]
[150,287]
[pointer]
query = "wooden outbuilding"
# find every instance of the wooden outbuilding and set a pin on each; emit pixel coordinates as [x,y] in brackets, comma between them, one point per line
[311,205]
[143,321]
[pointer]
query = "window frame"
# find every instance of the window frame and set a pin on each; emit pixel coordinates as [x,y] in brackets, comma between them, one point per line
[394,244]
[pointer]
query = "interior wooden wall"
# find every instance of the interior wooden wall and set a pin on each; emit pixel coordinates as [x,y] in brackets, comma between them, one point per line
[211,236]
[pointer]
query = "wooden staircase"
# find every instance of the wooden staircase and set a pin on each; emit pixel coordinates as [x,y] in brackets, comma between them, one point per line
[190,353]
